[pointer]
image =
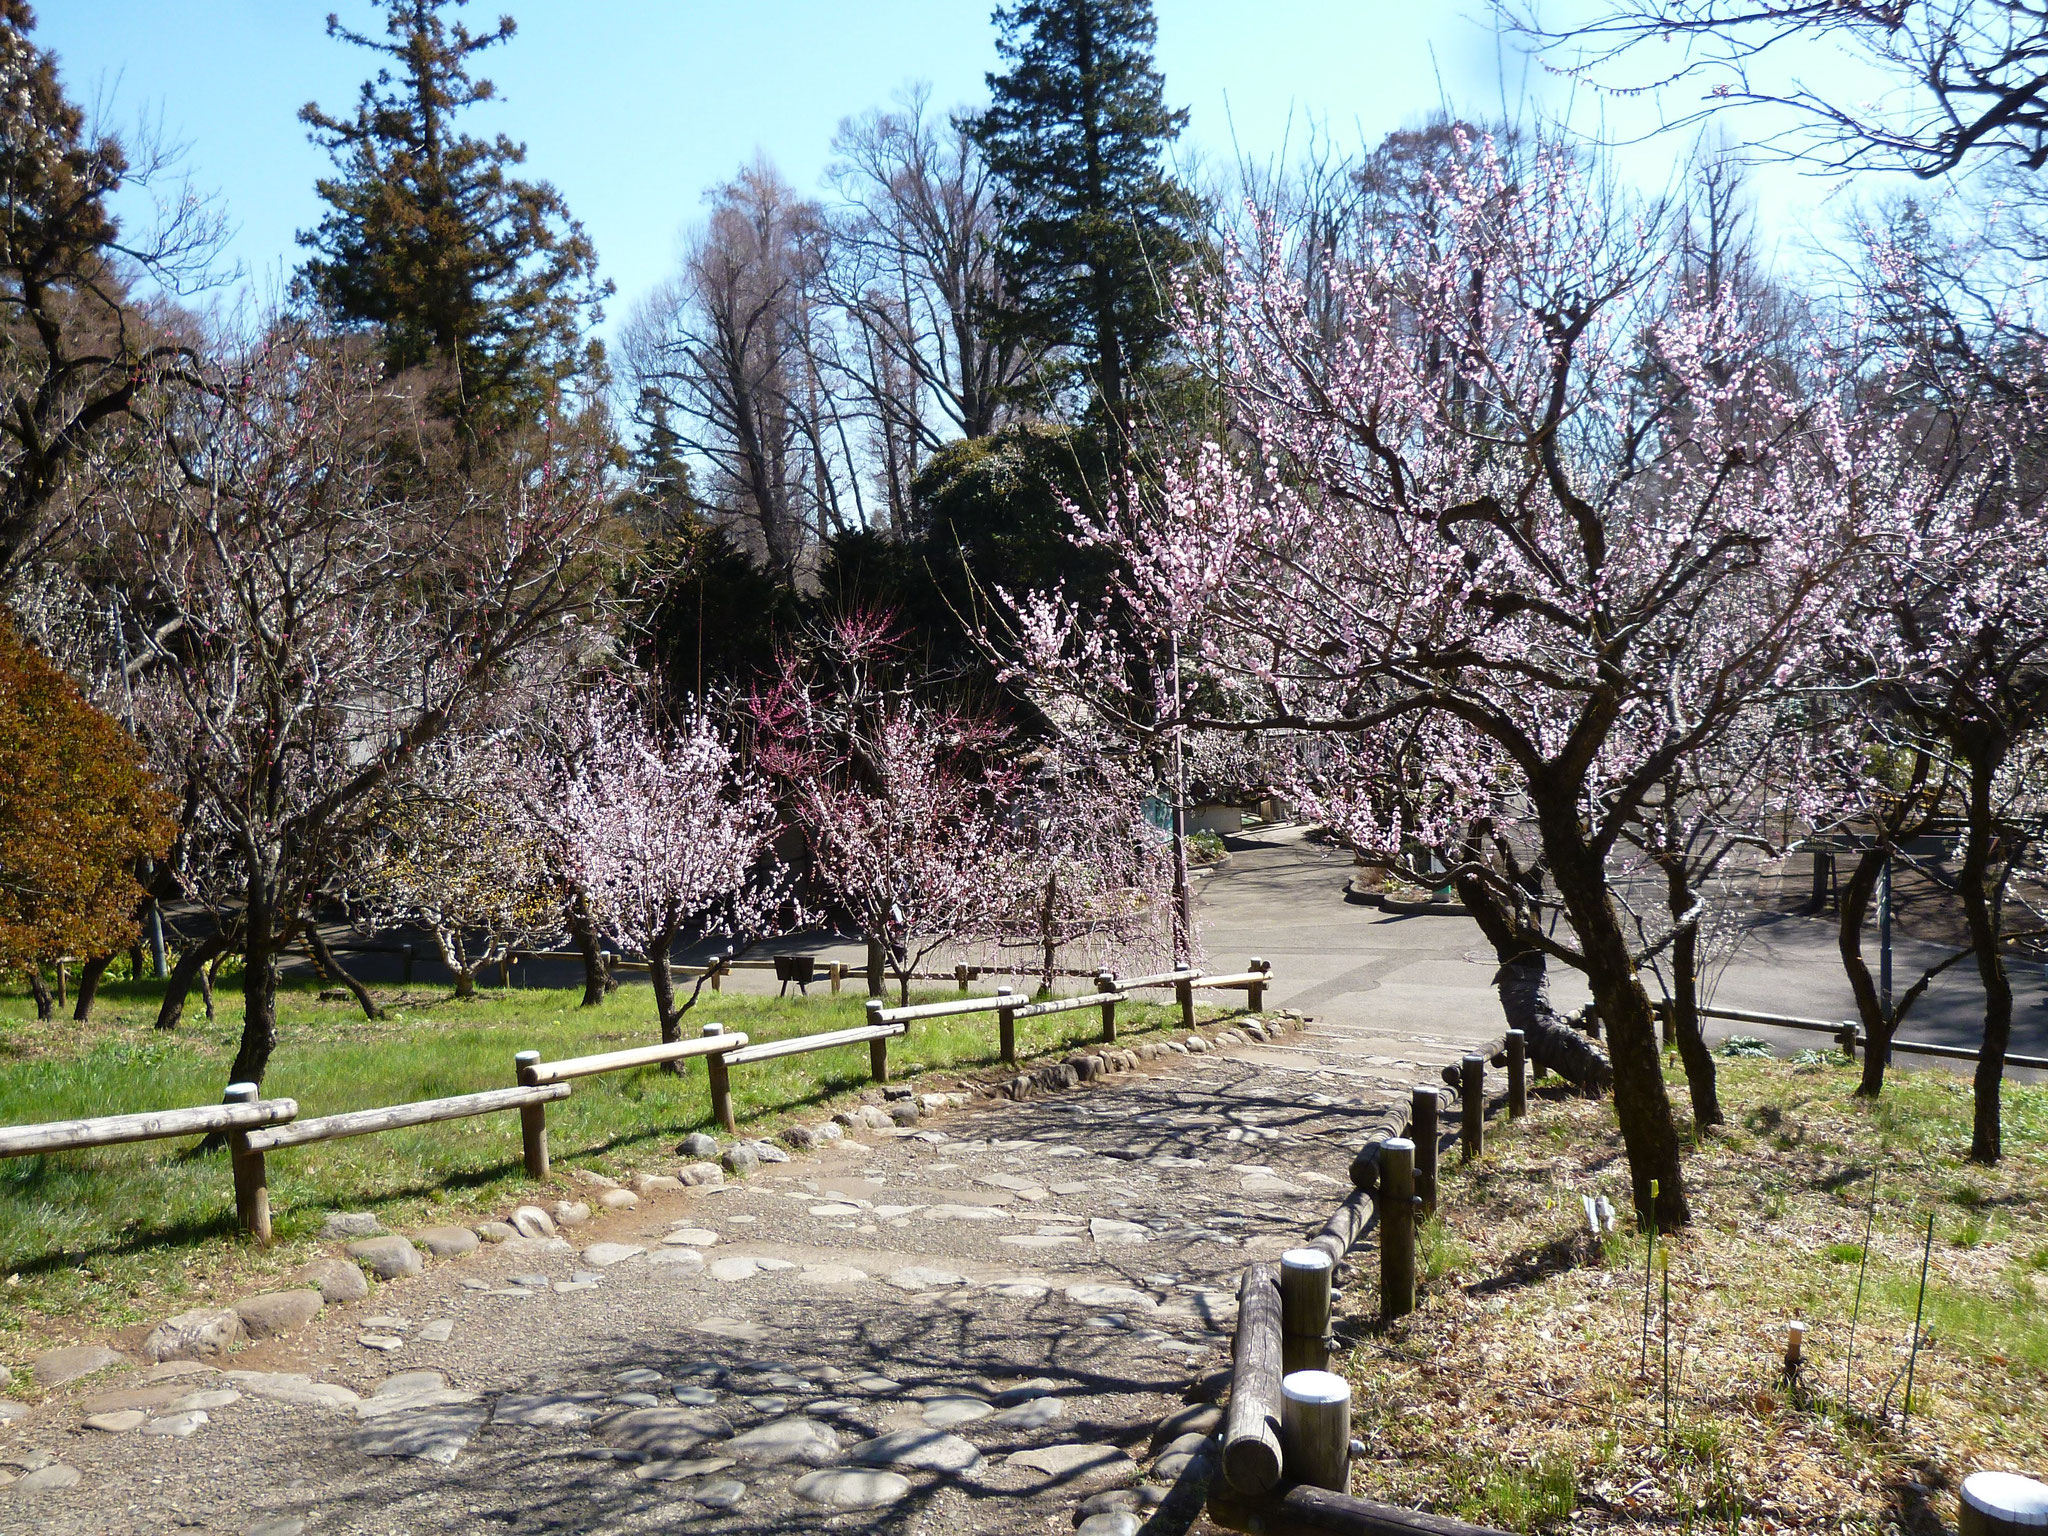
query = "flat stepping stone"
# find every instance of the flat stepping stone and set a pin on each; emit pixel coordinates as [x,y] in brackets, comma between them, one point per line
[831,1274]
[1094,1295]
[1075,1463]
[921,1277]
[695,1397]
[835,1208]
[691,1237]
[439,1331]
[430,1434]
[209,1398]
[655,1434]
[675,1470]
[383,1341]
[966,1213]
[922,1450]
[551,1410]
[739,1267]
[1109,1233]
[945,1412]
[1038,1239]
[119,1422]
[178,1426]
[50,1478]
[56,1367]
[731,1328]
[682,1261]
[721,1493]
[851,1488]
[783,1441]
[290,1387]
[408,1391]
[605,1255]
[1034,1413]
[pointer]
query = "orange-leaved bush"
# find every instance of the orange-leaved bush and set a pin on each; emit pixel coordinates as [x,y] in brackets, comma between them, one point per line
[77,811]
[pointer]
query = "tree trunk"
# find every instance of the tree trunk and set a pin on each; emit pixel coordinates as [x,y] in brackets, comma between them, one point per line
[661,970]
[1641,1104]
[1877,1026]
[597,977]
[39,989]
[1685,1001]
[1523,985]
[192,960]
[1045,930]
[328,962]
[259,1004]
[207,972]
[1981,909]
[449,947]
[878,972]
[89,977]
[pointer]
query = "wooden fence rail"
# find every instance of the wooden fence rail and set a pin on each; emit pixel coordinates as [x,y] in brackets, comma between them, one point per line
[1846,1034]
[244,1114]
[713,1045]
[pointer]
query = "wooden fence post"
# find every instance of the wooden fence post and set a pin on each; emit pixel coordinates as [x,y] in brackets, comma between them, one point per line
[252,1188]
[960,975]
[717,964]
[720,1077]
[1423,1103]
[1255,994]
[1472,1106]
[2001,1504]
[1251,1439]
[835,972]
[405,973]
[1184,994]
[533,1118]
[1315,1429]
[1518,1074]
[1006,1025]
[1397,1227]
[1305,1309]
[1104,982]
[1845,1040]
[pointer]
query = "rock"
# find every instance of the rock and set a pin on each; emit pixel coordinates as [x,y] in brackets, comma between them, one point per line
[1109,1233]
[850,1119]
[283,1525]
[1075,1463]
[590,1178]
[945,1412]
[618,1200]
[1197,1419]
[673,1470]
[446,1242]
[835,1208]
[701,1173]
[1170,1469]
[691,1237]
[904,1113]
[549,1410]
[387,1257]
[1035,1413]
[646,1185]
[785,1440]
[652,1434]
[800,1137]
[58,1366]
[828,1131]
[698,1146]
[496,1231]
[741,1160]
[1118,1522]
[348,1224]
[270,1313]
[831,1274]
[925,1450]
[438,1331]
[206,1333]
[570,1213]
[49,1478]
[876,1118]
[605,1255]
[1196,1043]
[677,1261]
[848,1488]
[721,1493]
[408,1391]
[337,1280]
[1109,1502]
[1086,1068]
[532,1221]
[922,1277]
[768,1152]
[289,1387]
[177,1426]
[431,1434]
[9,1412]
[119,1422]
[386,1342]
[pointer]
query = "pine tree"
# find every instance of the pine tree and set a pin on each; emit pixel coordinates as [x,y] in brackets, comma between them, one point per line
[460,264]
[1092,224]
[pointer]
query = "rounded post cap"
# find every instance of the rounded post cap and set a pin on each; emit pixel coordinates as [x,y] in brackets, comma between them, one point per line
[522,1057]
[1004,992]
[1397,1144]
[714,1029]
[1318,1387]
[874,1005]
[1305,1258]
[241,1093]
[2007,1497]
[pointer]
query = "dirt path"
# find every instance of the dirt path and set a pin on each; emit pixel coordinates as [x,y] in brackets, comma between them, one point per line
[971,1325]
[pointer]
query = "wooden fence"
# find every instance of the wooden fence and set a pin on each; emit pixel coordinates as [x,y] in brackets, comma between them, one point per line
[256,1127]
[1846,1035]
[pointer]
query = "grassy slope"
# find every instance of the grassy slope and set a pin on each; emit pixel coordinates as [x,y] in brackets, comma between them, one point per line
[117,1234]
[1513,1396]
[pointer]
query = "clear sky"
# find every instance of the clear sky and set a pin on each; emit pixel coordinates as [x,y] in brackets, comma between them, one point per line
[634,107]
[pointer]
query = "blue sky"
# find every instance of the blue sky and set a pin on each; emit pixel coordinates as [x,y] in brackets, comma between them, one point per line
[633,107]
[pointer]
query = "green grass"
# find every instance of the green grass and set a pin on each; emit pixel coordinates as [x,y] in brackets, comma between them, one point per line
[110,1235]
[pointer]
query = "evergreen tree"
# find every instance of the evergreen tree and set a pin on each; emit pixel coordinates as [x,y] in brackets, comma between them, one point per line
[1092,223]
[462,265]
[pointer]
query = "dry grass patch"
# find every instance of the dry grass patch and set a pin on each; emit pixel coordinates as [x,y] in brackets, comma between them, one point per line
[1522,1393]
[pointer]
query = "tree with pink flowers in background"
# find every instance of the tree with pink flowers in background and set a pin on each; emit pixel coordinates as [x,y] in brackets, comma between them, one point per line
[665,835]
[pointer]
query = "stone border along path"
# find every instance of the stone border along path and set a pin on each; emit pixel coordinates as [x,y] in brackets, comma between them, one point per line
[1007,1316]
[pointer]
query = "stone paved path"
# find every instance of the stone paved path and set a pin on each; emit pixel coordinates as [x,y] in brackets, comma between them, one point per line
[978,1324]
